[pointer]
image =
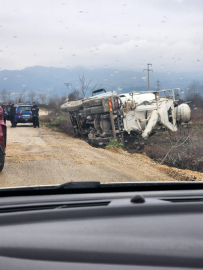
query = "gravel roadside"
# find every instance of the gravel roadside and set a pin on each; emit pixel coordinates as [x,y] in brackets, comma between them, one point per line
[41,157]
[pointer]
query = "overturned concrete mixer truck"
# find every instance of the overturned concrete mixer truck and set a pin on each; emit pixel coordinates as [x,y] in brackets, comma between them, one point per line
[108,115]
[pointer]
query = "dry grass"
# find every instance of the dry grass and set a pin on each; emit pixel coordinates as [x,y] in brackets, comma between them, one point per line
[58,122]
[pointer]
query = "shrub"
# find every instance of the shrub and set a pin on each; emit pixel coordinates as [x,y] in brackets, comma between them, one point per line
[114,143]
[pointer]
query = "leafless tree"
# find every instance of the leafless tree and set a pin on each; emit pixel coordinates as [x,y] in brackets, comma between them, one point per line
[42,97]
[75,95]
[85,87]
[194,93]
[3,95]
[55,102]
[20,97]
[32,95]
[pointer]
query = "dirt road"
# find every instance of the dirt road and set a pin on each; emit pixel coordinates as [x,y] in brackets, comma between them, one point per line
[40,157]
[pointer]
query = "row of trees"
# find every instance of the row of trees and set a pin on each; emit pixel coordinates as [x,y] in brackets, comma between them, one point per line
[22,97]
[194,93]
[86,88]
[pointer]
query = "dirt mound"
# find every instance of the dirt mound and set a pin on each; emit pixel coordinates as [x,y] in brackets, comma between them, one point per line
[116,150]
[176,174]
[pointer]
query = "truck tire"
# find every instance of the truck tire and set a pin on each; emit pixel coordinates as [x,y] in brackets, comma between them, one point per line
[97,109]
[2,160]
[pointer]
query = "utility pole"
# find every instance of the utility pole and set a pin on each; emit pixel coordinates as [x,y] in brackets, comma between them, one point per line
[67,84]
[148,73]
[158,85]
[9,96]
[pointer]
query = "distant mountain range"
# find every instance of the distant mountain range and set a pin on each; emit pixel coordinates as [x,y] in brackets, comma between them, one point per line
[50,80]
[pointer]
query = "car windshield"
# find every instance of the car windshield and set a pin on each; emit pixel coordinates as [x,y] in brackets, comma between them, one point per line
[24,108]
[115,91]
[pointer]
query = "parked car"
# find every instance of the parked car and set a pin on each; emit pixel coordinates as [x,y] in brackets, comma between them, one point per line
[2,140]
[23,114]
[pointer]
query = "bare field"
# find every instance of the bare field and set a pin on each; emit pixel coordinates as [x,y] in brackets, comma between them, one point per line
[41,157]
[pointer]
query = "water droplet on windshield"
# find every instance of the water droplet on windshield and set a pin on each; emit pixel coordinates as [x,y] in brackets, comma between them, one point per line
[120,88]
[181,78]
[134,78]
[144,77]
[198,60]
[116,71]
[114,36]
[15,37]
[5,78]
[81,11]
[73,54]
[112,74]
[60,48]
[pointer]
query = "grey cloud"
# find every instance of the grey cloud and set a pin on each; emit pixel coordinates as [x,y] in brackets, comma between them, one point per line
[87,29]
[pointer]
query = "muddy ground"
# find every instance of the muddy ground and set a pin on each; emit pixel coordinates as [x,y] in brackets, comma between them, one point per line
[41,157]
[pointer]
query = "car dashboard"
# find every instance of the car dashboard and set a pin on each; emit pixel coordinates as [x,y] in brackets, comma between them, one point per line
[108,230]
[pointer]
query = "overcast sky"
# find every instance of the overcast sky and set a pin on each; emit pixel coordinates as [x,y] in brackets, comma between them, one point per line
[117,34]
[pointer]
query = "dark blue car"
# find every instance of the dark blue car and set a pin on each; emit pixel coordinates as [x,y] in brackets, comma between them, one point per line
[23,114]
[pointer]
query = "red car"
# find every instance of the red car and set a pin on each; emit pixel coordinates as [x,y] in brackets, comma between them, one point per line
[2,140]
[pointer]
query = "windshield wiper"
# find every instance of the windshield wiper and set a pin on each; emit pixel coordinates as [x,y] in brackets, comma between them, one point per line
[79,185]
[97,187]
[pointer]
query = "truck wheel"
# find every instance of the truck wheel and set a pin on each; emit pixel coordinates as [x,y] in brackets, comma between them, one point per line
[2,160]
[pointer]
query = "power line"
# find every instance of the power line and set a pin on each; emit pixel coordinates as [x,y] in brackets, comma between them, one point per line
[148,73]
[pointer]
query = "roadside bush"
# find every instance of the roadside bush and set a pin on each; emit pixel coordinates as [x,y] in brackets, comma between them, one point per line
[60,123]
[114,143]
